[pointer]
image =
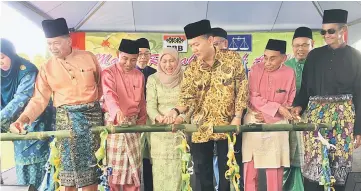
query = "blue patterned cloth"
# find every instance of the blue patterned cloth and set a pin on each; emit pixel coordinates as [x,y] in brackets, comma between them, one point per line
[16,91]
[30,156]
[78,162]
[48,184]
[30,174]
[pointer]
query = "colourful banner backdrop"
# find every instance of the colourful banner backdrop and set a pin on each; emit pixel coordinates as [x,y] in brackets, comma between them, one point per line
[178,42]
[105,45]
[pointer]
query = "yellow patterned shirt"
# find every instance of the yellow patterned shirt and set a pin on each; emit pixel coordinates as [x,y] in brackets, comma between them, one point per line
[214,93]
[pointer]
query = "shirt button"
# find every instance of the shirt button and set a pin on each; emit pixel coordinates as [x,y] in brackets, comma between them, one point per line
[330,68]
[331,60]
[69,70]
[73,77]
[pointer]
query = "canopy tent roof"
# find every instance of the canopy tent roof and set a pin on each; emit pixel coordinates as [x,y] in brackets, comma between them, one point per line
[172,16]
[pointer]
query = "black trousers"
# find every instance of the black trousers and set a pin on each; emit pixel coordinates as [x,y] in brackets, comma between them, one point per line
[147,175]
[203,165]
[314,186]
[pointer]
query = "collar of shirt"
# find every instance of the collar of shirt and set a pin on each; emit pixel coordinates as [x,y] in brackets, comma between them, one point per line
[278,69]
[68,57]
[217,61]
[300,62]
[341,48]
[122,71]
[141,69]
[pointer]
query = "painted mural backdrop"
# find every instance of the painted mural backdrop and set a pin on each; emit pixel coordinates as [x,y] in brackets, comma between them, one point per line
[105,45]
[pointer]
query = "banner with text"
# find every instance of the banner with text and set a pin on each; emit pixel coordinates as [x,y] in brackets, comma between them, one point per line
[179,42]
[105,45]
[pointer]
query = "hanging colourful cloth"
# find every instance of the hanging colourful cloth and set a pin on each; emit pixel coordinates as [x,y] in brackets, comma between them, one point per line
[327,180]
[101,160]
[187,170]
[104,185]
[55,162]
[232,173]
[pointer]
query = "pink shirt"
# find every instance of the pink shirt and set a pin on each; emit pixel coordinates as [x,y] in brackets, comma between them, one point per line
[124,92]
[269,90]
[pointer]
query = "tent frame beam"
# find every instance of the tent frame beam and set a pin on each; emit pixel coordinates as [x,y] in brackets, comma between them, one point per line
[92,11]
[318,8]
[35,9]
[135,26]
[207,10]
[357,21]
[182,32]
[278,12]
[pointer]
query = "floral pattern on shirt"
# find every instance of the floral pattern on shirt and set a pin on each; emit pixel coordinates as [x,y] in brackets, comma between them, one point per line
[214,92]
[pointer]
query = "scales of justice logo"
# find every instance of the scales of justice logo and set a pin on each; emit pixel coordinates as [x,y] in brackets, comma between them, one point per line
[240,42]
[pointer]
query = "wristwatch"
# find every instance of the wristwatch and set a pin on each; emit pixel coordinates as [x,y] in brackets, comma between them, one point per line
[176,110]
[238,116]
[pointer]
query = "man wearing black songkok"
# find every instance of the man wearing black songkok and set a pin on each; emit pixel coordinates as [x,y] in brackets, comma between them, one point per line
[215,88]
[302,44]
[142,65]
[331,93]
[72,78]
[144,58]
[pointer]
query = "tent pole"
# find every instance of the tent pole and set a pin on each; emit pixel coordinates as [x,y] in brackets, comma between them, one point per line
[89,15]
[135,26]
[357,21]
[207,10]
[278,12]
[35,9]
[318,8]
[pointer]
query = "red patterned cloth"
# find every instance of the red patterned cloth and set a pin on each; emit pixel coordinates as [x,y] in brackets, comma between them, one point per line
[124,156]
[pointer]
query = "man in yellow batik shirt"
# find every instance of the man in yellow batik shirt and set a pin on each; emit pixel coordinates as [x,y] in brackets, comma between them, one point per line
[215,87]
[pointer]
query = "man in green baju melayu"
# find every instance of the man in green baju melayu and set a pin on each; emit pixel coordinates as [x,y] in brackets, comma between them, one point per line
[302,44]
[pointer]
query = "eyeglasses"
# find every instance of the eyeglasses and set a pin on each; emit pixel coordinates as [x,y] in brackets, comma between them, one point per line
[144,54]
[329,31]
[216,43]
[298,46]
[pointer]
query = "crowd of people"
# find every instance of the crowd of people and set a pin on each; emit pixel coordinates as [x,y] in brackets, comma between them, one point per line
[71,92]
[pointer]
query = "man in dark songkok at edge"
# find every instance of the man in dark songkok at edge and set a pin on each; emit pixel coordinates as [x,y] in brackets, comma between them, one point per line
[331,93]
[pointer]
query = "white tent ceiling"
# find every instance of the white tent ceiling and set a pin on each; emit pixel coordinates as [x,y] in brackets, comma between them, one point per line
[172,16]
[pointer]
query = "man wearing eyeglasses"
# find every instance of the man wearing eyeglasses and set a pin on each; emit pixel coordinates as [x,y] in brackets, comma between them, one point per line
[330,93]
[302,44]
[142,65]
[220,38]
[221,41]
[143,59]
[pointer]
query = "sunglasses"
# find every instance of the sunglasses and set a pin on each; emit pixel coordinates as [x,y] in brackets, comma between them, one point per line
[329,31]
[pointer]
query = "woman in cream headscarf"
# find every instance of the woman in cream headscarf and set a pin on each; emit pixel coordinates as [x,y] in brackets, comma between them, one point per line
[163,89]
